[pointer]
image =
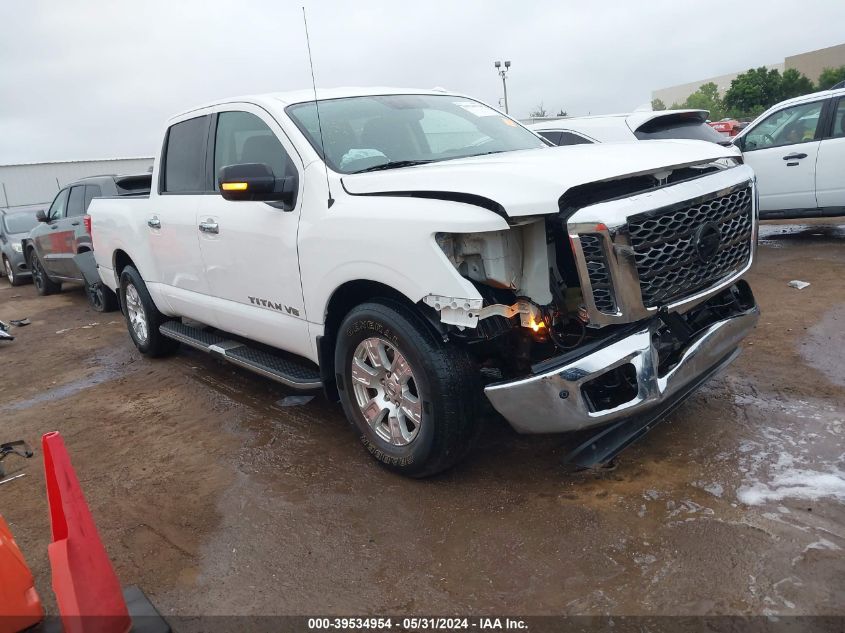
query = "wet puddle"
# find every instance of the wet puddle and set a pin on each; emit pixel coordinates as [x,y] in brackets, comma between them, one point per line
[111,365]
[779,235]
[826,336]
[62,391]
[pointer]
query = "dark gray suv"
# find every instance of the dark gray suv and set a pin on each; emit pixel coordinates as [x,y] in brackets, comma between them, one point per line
[56,248]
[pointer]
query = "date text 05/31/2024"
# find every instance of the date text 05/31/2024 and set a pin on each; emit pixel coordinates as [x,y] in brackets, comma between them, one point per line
[418,624]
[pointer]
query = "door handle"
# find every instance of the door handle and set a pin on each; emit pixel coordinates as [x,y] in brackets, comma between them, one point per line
[209,227]
[154,223]
[54,227]
[74,223]
[794,156]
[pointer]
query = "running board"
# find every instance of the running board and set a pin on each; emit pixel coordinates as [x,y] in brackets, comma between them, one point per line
[277,366]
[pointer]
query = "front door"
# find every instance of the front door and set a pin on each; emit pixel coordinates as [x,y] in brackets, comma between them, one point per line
[249,248]
[830,166]
[51,238]
[782,150]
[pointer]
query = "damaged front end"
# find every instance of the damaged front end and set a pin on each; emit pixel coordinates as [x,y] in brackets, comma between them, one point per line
[615,307]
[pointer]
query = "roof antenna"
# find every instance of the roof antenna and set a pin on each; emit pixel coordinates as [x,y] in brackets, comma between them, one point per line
[317,106]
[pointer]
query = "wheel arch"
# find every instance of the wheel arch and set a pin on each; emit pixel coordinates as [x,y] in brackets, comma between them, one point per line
[342,301]
[120,260]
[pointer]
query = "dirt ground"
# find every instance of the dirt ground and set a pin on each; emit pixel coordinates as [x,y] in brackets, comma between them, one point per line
[216,499]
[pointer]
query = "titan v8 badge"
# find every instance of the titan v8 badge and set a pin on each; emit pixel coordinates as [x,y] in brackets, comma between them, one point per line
[274,306]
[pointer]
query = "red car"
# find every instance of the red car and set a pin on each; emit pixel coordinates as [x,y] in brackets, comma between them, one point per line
[728,127]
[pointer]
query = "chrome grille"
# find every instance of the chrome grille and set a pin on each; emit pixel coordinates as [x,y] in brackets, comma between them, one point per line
[598,272]
[668,264]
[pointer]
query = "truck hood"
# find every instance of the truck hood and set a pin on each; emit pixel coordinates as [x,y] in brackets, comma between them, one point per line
[530,182]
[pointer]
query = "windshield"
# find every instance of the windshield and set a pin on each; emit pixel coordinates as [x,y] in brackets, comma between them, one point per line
[365,133]
[19,222]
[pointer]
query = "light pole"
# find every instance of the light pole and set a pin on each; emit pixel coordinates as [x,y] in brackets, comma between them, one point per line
[503,74]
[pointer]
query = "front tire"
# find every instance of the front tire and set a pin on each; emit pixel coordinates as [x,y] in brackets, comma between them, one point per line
[14,280]
[412,397]
[43,284]
[142,317]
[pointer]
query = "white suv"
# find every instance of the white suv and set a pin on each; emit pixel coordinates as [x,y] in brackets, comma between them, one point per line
[797,150]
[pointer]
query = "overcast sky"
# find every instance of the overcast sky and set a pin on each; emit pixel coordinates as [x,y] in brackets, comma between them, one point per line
[96,79]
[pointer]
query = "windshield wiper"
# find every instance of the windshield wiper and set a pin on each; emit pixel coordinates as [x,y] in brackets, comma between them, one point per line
[394,164]
[495,151]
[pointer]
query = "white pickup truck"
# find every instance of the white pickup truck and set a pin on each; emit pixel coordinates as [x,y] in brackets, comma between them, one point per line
[411,252]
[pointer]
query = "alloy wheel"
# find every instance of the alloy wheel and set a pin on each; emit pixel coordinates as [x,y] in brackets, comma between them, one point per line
[136,314]
[386,391]
[10,274]
[37,272]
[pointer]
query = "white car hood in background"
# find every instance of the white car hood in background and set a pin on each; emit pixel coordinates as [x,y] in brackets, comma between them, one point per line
[530,182]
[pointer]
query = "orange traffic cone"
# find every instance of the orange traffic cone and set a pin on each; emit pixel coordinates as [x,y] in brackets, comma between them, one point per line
[20,606]
[87,591]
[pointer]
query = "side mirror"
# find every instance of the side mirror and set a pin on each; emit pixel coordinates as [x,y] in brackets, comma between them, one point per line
[41,216]
[256,181]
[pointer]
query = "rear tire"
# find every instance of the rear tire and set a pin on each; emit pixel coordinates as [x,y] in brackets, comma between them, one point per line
[101,298]
[142,317]
[43,284]
[417,416]
[14,280]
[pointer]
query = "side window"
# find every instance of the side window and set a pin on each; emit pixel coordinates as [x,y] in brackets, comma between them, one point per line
[796,124]
[184,158]
[57,209]
[839,119]
[76,201]
[552,137]
[570,138]
[244,138]
[91,192]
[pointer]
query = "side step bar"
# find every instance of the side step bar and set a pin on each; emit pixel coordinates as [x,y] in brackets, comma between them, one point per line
[283,368]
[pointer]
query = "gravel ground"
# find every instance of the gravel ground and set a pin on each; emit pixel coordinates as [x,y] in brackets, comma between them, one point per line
[216,499]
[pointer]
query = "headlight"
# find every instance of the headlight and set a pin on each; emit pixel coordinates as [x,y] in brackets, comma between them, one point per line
[17,247]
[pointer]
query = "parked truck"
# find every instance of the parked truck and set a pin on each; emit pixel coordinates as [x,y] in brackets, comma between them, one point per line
[413,252]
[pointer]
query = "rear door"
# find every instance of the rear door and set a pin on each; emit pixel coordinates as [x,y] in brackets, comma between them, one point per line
[69,229]
[830,165]
[171,222]
[782,149]
[249,248]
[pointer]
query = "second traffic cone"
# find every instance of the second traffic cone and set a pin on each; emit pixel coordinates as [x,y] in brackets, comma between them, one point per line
[88,593]
[20,607]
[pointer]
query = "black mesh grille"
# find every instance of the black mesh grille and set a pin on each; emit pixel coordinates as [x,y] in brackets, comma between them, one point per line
[597,270]
[665,251]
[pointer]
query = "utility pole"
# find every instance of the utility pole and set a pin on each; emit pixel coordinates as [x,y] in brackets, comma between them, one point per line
[503,74]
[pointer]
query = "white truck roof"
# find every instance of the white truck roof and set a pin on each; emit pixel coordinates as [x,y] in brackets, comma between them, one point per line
[302,96]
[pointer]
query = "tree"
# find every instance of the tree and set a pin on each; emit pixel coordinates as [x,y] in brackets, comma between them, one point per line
[707,98]
[753,91]
[795,84]
[539,112]
[562,113]
[657,104]
[830,77]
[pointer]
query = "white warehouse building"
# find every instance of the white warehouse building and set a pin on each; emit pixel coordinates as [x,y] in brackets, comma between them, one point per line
[38,183]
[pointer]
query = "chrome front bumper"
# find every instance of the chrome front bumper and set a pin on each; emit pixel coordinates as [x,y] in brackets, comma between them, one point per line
[553,401]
